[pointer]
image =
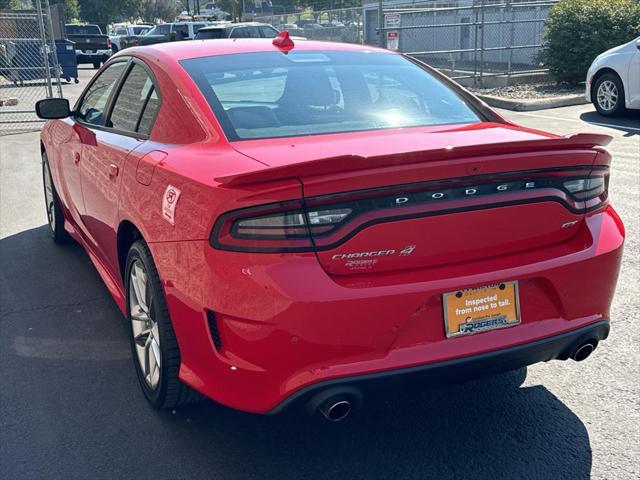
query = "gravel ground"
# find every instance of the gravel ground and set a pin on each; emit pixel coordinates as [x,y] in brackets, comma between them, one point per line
[531,91]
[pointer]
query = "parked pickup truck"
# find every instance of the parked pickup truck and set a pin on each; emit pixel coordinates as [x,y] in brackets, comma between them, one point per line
[92,46]
[164,32]
[121,31]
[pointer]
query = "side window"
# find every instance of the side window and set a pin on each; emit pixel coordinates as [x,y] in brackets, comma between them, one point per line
[131,100]
[239,32]
[253,32]
[149,113]
[92,108]
[181,31]
[197,26]
[268,31]
[164,29]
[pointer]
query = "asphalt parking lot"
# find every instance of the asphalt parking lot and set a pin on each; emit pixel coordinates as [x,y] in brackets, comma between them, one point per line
[70,405]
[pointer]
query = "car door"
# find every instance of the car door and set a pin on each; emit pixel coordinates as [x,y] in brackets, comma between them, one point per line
[132,110]
[71,134]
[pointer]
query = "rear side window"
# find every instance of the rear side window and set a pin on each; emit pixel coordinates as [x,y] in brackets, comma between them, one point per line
[149,113]
[268,31]
[92,108]
[163,29]
[240,32]
[197,26]
[132,102]
[210,34]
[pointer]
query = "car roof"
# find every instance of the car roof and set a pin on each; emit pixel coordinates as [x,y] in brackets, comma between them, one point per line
[177,51]
[233,25]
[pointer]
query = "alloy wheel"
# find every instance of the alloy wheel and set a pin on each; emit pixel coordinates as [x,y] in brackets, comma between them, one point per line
[143,325]
[607,95]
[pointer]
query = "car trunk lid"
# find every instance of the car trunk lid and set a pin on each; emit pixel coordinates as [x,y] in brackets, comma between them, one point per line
[425,197]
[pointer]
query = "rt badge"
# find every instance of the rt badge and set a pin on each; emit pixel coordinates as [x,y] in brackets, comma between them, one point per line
[169,201]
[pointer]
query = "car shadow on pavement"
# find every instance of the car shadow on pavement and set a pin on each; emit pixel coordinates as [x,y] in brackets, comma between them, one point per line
[629,122]
[489,428]
[71,405]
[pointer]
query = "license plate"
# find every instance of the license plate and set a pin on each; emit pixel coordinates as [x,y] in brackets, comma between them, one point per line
[475,310]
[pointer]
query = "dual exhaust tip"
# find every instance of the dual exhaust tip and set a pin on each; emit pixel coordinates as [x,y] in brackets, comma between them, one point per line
[583,350]
[338,407]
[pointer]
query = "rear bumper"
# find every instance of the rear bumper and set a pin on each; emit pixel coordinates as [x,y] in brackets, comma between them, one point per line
[450,372]
[97,56]
[285,327]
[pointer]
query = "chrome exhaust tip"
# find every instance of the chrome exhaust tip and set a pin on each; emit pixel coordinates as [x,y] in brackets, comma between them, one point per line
[336,408]
[583,351]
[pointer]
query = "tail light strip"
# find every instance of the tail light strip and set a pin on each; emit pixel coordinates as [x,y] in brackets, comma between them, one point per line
[324,222]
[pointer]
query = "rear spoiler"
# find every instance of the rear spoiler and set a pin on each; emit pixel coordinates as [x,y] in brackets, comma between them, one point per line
[346,163]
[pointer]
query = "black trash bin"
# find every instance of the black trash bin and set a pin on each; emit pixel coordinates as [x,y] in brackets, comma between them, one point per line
[66,51]
[23,61]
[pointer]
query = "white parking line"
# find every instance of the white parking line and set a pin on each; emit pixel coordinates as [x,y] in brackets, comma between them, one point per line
[608,125]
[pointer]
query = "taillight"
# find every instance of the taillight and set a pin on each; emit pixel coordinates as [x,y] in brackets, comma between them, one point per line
[585,188]
[109,42]
[324,222]
[283,227]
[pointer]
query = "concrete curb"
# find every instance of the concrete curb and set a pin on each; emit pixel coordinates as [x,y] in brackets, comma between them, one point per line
[532,105]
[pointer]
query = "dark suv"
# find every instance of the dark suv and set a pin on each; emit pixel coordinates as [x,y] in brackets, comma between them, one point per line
[237,30]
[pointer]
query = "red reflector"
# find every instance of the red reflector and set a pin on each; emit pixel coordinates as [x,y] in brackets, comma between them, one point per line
[283,42]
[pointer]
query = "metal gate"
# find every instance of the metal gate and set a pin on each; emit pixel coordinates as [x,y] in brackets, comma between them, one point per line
[29,69]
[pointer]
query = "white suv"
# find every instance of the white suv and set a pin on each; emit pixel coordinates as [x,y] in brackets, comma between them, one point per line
[613,79]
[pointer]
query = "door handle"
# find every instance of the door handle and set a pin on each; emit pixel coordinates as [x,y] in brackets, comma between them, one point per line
[113,170]
[76,158]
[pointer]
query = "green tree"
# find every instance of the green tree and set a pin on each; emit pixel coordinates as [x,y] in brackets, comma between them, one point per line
[103,12]
[71,9]
[150,10]
[579,30]
[11,5]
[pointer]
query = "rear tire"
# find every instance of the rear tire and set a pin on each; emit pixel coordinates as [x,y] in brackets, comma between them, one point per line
[55,216]
[154,347]
[608,95]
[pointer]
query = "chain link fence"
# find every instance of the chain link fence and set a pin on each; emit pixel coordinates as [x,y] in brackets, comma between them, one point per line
[337,25]
[471,39]
[29,69]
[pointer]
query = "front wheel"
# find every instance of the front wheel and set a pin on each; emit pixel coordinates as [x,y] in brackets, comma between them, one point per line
[55,217]
[154,346]
[608,95]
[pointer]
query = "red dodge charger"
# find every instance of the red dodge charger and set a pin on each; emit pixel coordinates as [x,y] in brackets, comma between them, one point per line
[304,224]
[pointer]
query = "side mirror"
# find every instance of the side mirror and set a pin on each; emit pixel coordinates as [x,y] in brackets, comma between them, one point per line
[638,44]
[52,108]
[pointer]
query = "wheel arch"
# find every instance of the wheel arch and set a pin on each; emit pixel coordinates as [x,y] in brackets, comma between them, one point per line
[601,72]
[127,234]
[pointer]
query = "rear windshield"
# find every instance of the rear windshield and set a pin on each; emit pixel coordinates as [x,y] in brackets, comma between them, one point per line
[209,34]
[83,30]
[269,94]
